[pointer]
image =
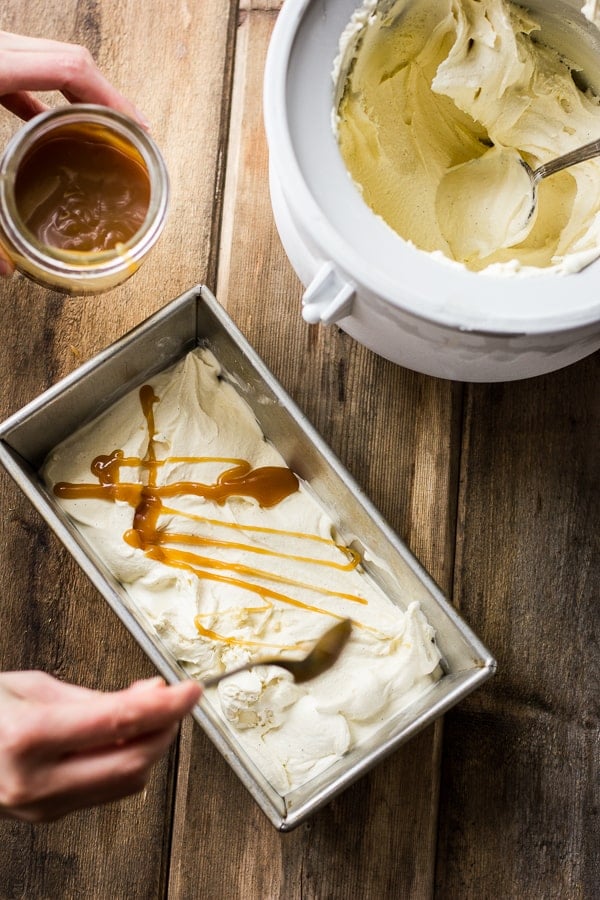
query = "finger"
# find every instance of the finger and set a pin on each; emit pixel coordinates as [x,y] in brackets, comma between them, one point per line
[23,104]
[129,762]
[68,68]
[27,44]
[90,779]
[37,686]
[49,689]
[120,716]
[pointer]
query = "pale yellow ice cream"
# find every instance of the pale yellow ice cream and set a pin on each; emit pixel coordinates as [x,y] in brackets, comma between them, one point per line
[230,558]
[433,87]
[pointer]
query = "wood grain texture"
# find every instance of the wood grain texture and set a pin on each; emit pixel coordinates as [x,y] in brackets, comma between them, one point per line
[494,487]
[264,5]
[521,758]
[174,61]
[378,839]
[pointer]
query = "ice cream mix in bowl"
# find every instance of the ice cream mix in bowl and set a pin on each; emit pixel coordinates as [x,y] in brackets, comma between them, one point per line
[395,188]
[221,530]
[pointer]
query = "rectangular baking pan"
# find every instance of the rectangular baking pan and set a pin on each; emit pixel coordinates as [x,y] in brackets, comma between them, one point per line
[196,318]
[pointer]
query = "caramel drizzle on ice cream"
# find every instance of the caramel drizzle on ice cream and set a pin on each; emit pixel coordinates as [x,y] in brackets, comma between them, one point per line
[268,485]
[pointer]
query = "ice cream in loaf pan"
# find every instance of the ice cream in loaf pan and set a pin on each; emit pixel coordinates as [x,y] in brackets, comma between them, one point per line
[230,557]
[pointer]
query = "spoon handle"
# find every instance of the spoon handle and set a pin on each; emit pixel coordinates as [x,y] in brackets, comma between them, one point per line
[588,151]
[322,656]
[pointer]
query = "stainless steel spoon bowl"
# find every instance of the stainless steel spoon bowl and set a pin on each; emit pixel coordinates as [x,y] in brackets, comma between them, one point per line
[322,656]
[489,203]
[588,151]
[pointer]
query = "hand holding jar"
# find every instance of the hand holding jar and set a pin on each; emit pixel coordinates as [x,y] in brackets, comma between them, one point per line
[38,64]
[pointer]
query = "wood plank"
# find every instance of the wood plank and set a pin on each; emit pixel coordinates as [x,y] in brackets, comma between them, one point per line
[174,61]
[519,791]
[378,839]
[192,54]
[264,5]
[522,756]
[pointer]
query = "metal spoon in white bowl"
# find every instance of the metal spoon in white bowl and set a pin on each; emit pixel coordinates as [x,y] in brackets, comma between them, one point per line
[588,151]
[322,656]
[490,202]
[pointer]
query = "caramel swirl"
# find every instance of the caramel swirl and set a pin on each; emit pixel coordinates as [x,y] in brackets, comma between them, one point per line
[153,532]
[268,485]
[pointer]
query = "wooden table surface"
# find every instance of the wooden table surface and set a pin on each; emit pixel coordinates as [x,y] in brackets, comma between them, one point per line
[494,487]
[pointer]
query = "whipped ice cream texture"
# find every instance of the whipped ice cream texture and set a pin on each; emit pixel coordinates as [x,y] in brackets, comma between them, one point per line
[230,558]
[434,87]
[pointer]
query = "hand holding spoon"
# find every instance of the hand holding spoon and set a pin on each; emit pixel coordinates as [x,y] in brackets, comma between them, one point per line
[322,656]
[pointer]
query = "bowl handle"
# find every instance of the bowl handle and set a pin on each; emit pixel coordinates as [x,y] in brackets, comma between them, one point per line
[328,298]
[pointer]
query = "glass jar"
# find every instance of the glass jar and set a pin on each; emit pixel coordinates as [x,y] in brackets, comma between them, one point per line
[90,135]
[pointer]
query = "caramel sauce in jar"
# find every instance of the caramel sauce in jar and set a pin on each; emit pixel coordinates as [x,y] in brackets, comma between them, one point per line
[83,198]
[78,189]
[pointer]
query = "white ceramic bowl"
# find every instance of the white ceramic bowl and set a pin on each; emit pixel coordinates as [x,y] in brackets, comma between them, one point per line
[424,313]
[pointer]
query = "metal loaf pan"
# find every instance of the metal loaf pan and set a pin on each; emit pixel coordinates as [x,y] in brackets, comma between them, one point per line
[196,318]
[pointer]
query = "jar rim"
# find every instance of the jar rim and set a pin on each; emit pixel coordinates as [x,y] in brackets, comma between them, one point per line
[77,263]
